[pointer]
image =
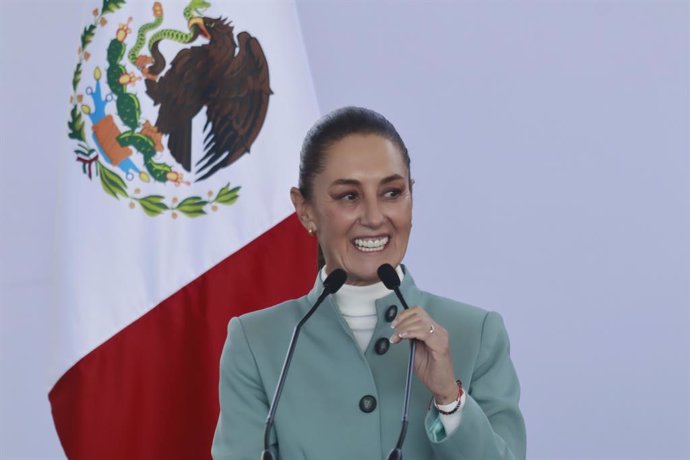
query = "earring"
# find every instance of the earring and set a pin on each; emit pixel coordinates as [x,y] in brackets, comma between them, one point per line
[311,231]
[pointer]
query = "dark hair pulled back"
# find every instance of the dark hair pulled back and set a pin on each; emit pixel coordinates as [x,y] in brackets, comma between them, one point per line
[334,127]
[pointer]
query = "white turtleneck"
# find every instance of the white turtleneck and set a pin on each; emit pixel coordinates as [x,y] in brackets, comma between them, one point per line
[357,304]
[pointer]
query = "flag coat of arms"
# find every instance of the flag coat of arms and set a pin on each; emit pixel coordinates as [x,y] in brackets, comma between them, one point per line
[183,124]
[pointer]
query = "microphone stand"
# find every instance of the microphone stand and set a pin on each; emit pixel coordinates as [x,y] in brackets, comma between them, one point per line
[396,453]
[391,280]
[330,285]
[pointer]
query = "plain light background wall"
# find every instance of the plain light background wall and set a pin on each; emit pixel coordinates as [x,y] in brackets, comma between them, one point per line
[549,144]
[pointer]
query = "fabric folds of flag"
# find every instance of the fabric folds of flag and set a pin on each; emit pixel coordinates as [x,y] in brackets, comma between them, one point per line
[167,227]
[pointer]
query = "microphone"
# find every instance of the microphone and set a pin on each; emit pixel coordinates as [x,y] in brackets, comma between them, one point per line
[390,279]
[331,284]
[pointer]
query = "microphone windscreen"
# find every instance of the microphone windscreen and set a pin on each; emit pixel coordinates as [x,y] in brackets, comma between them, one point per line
[335,280]
[388,275]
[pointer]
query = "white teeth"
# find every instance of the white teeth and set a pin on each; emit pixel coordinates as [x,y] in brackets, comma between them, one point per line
[370,244]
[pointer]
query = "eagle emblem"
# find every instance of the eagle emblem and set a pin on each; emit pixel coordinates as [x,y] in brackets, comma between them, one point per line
[140,106]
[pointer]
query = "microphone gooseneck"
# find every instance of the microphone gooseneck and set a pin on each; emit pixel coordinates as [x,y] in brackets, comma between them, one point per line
[331,284]
[391,280]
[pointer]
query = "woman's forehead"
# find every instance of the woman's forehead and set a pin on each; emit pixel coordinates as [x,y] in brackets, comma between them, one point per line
[363,155]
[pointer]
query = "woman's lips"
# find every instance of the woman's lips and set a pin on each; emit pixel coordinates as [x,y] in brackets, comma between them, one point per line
[371,244]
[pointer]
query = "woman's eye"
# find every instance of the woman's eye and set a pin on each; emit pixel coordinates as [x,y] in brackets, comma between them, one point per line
[351,196]
[393,193]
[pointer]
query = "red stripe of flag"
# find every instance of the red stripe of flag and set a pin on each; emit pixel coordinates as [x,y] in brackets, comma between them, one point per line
[151,391]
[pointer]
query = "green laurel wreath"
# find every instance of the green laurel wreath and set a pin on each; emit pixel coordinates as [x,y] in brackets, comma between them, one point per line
[111,182]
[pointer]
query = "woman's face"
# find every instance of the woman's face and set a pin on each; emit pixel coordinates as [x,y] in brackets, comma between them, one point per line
[361,206]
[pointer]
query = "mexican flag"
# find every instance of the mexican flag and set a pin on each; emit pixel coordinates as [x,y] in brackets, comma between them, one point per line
[183,124]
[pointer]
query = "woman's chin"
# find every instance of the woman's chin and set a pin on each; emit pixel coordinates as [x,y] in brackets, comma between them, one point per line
[366,271]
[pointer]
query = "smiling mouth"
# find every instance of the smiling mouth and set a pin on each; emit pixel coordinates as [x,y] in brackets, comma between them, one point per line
[375,244]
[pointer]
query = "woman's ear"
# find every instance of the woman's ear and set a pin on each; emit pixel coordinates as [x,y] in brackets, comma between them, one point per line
[302,208]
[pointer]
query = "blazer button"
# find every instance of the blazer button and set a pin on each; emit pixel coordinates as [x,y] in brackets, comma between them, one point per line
[381,345]
[367,404]
[391,312]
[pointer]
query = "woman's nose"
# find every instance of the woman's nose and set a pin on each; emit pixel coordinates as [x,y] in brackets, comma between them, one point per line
[372,215]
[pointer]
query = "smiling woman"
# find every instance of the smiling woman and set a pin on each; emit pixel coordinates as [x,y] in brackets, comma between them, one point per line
[347,378]
[361,207]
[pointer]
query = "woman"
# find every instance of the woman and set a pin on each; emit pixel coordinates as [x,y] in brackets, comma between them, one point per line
[343,396]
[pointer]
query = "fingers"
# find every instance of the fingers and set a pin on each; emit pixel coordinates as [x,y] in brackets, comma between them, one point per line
[415,323]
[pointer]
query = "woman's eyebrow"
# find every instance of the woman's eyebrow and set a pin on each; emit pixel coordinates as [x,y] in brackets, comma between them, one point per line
[385,180]
[345,182]
[392,178]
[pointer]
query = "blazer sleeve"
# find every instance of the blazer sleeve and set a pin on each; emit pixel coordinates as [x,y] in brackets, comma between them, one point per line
[243,401]
[492,426]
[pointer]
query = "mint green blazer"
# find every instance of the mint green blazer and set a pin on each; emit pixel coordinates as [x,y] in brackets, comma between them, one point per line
[319,415]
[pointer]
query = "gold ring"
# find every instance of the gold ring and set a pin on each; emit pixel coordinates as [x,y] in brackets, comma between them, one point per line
[431,328]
